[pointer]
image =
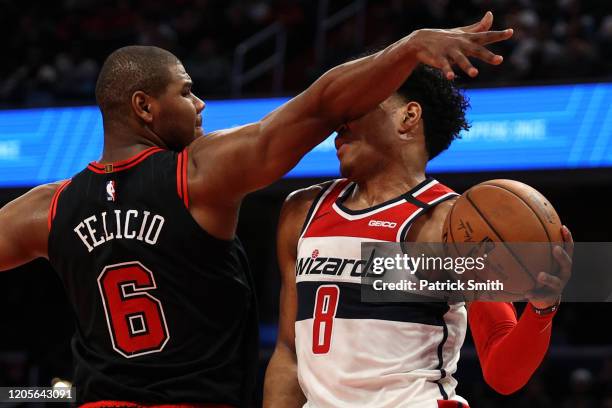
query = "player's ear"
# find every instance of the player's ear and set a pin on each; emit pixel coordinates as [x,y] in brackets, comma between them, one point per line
[410,116]
[142,105]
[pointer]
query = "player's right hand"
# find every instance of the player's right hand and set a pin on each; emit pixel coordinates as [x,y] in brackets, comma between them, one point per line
[443,48]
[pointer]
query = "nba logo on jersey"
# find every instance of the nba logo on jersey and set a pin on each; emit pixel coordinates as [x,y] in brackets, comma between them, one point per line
[110,191]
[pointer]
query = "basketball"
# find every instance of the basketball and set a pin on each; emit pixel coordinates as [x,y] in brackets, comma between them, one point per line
[505,211]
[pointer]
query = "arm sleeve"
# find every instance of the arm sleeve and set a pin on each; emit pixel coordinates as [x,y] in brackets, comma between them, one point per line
[509,351]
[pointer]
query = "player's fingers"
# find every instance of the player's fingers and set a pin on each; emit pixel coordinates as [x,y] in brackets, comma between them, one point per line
[483,54]
[568,241]
[564,261]
[484,24]
[550,281]
[489,37]
[446,68]
[541,294]
[464,63]
[440,62]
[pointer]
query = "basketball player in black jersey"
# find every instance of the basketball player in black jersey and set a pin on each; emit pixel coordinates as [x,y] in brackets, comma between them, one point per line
[144,240]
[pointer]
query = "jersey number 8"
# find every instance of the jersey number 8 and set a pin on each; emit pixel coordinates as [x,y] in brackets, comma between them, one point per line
[326,304]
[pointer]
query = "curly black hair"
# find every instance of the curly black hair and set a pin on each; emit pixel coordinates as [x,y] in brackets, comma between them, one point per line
[443,107]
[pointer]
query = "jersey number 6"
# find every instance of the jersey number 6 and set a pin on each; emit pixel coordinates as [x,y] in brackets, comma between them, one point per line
[135,318]
[326,304]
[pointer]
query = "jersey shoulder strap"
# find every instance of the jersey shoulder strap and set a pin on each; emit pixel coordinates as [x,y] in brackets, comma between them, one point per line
[53,205]
[324,201]
[433,193]
[429,195]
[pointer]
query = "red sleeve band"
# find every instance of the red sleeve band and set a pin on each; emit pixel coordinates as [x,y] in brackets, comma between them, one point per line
[509,351]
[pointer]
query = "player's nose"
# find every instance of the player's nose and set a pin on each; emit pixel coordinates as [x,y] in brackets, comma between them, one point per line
[199,104]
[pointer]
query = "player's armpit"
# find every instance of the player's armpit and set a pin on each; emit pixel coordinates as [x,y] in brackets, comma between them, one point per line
[509,351]
[281,387]
[24,227]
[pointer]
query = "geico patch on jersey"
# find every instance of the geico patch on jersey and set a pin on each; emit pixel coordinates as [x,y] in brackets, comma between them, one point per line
[386,224]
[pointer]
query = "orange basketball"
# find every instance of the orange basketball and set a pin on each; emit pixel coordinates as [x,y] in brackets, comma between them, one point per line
[498,212]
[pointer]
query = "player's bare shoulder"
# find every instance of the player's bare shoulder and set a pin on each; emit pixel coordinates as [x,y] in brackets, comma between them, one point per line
[24,224]
[430,226]
[35,204]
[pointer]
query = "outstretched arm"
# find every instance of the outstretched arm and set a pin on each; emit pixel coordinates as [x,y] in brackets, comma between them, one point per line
[281,387]
[23,227]
[234,162]
[511,351]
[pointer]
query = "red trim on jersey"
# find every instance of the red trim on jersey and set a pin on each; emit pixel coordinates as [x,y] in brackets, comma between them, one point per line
[53,206]
[179,174]
[181,177]
[101,168]
[333,195]
[451,404]
[127,404]
[185,191]
[384,222]
[433,193]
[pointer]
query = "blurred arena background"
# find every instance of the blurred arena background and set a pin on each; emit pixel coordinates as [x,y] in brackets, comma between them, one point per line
[544,117]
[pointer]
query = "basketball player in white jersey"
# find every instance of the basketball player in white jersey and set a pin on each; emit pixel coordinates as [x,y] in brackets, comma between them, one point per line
[334,350]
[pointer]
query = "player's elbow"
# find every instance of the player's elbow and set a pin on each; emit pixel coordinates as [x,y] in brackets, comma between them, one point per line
[504,382]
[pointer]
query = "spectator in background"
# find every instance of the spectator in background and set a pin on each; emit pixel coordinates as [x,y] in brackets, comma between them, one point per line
[211,70]
[560,40]
[581,386]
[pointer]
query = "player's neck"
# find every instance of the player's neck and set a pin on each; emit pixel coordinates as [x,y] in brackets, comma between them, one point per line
[382,187]
[122,142]
[116,152]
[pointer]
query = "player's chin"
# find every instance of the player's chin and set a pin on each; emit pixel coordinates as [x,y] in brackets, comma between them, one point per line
[199,131]
[346,170]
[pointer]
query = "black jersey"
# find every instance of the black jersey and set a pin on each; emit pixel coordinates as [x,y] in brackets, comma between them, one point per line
[165,312]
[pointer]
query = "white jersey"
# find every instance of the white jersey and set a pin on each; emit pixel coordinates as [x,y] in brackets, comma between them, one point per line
[356,354]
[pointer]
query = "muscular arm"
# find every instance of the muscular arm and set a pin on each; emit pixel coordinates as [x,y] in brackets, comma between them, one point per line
[226,165]
[23,227]
[281,387]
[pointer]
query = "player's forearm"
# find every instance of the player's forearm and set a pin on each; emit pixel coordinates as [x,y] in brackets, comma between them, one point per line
[353,89]
[509,351]
[281,387]
[344,93]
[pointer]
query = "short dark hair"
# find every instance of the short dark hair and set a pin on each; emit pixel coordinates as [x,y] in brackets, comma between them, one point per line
[443,107]
[130,69]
